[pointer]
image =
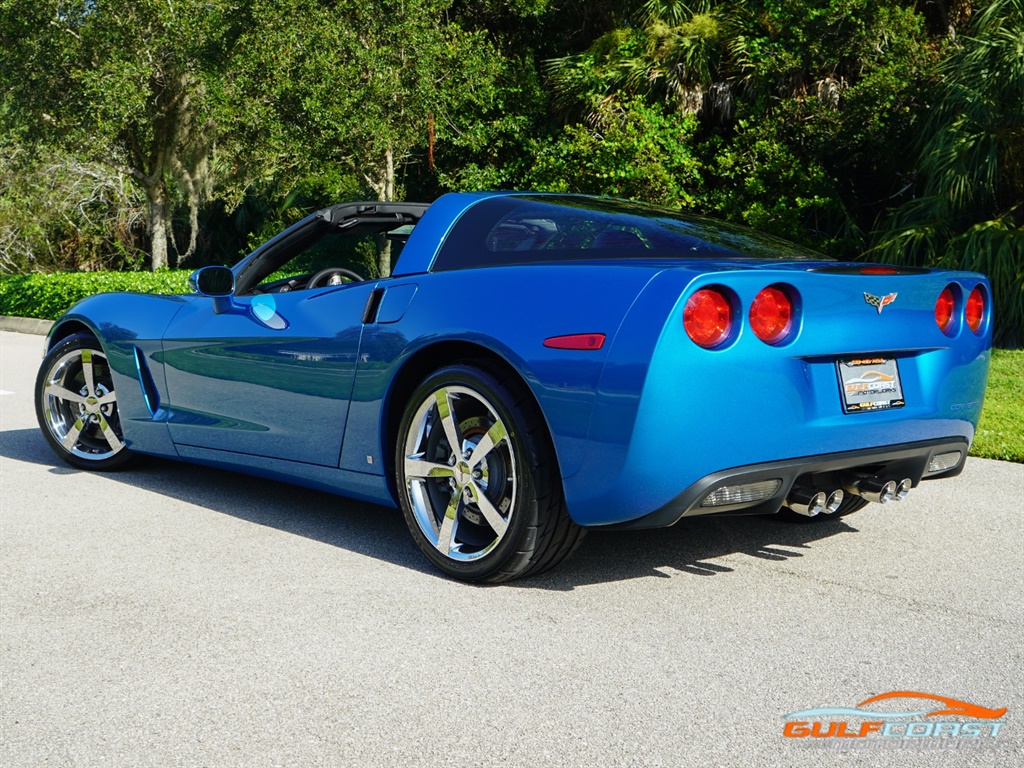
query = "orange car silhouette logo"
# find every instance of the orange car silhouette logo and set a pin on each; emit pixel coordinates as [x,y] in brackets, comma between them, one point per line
[880,302]
[950,707]
[978,721]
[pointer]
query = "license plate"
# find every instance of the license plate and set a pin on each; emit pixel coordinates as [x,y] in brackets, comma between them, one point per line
[870,384]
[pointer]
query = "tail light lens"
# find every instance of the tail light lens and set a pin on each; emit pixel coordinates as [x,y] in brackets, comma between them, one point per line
[707,317]
[944,310]
[771,315]
[974,310]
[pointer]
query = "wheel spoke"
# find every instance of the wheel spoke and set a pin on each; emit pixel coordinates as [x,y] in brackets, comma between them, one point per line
[107,399]
[62,393]
[90,384]
[446,535]
[455,451]
[417,467]
[494,435]
[447,416]
[72,436]
[490,512]
[112,439]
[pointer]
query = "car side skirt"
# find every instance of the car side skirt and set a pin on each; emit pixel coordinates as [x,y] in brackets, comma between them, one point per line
[342,482]
[904,460]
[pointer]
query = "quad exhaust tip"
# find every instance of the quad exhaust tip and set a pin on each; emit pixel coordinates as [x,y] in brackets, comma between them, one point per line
[880,491]
[809,502]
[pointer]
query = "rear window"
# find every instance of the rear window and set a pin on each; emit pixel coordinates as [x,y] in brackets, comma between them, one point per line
[525,229]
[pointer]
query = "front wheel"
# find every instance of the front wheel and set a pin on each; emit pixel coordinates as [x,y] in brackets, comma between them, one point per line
[477,478]
[77,407]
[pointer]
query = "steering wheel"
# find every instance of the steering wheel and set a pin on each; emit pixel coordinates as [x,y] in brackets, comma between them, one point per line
[323,277]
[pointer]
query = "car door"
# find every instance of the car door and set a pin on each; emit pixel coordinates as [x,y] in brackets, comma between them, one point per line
[270,377]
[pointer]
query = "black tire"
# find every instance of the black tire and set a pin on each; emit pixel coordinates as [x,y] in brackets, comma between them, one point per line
[849,505]
[76,406]
[491,510]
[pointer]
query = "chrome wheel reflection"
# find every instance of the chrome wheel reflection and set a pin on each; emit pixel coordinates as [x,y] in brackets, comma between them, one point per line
[460,473]
[80,407]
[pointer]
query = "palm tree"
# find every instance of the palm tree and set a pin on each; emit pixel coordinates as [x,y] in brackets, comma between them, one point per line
[676,54]
[970,214]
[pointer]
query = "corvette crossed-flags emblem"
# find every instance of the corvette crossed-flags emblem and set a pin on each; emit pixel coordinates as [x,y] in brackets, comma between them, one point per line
[879,301]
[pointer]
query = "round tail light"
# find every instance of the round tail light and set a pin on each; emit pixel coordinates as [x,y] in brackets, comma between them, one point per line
[707,317]
[944,310]
[974,310]
[771,315]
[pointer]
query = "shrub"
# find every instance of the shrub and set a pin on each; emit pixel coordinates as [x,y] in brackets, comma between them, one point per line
[49,296]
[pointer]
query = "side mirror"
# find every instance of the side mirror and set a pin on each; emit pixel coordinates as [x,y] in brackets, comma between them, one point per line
[218,283]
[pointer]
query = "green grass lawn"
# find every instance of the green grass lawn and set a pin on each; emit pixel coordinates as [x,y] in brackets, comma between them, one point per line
[1001,432]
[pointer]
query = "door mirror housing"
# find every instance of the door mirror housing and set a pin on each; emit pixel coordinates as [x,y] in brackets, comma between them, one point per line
[217,283]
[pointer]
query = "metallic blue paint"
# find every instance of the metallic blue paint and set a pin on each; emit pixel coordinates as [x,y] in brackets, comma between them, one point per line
[296,387]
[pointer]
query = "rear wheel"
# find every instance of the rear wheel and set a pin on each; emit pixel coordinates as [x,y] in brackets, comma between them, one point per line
[77,407]
[477,477]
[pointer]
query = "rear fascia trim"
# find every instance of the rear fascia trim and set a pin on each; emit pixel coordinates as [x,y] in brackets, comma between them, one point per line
[911,458]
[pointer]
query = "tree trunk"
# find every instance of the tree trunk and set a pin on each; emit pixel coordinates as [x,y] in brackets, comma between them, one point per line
[384,258]
[386,193]
[389,175]
[159,223]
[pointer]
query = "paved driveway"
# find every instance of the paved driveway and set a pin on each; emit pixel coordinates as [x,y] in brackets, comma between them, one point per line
[178,616]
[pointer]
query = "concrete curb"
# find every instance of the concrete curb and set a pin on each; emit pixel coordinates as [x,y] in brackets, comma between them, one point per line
[25,325]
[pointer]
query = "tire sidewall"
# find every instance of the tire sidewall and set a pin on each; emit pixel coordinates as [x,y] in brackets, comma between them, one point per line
[524,515]
[70,344]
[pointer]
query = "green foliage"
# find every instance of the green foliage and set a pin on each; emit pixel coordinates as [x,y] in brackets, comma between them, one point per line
[803,107]
[1000,434]
[970,213]
[370,83]
[674,56]
[759,179]
[49,296]
[640,153]
[60,212]
[213,124]
[493,149]
[126,83]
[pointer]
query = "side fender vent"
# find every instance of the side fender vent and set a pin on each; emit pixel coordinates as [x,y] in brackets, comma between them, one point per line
[149,391]
[372,306]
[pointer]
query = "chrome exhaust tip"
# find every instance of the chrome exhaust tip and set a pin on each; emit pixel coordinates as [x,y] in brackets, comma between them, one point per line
[873,489]
[903,489]
[805,501]
[834,500]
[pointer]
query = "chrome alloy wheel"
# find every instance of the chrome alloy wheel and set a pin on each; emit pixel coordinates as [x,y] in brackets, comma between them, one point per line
[79,405]
[460,473]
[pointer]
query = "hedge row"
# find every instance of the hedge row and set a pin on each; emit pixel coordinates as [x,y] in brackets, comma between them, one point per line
[49,296]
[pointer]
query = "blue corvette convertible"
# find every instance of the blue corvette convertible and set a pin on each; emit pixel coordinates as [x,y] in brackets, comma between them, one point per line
[535,366]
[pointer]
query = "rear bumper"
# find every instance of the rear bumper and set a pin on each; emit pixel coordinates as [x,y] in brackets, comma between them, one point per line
[905,460]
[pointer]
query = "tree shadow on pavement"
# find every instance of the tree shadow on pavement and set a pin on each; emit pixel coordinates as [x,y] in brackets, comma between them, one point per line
[687,549]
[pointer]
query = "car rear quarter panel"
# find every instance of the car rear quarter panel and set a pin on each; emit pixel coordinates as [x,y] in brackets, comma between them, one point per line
[508,312]
[698,411]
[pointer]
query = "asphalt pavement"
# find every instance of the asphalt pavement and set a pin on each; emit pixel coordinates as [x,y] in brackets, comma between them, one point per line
[173,615]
